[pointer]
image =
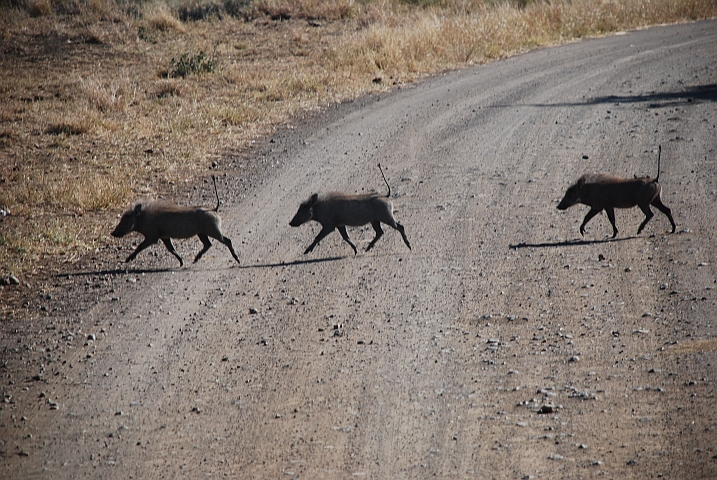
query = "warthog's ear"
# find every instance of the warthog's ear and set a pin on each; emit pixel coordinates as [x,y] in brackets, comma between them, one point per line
[314,199]
[137,208]
[581,182]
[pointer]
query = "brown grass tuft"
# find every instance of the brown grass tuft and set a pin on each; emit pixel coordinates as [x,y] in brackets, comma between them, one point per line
[163,20]
[693,347]
[325,10]
[167,88]
[76,126]
[6,136]
[111,97]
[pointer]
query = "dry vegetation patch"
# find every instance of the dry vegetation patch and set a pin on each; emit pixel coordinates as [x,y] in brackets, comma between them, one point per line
[105,101]
[693,347]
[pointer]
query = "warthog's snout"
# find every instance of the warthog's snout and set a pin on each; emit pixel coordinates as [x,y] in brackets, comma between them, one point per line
[127,222]
[572,196]
[336,211]
[164,221]
[305,212]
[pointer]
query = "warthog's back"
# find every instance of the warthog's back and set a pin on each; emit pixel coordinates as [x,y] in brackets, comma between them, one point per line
[175,221]
[354,210]
[601,190]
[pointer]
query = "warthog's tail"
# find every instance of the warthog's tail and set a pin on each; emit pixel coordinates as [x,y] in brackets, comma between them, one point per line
[386,181]
[214,179]
[659,154]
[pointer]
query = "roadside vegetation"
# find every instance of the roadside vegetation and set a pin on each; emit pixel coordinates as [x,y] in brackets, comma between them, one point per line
[105,101]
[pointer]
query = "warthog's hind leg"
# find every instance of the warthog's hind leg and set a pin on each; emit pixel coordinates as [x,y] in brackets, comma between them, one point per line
[207,246]
[402,231]
[345,235]
[226,241]
[664,209]
[648,215]
[379,233]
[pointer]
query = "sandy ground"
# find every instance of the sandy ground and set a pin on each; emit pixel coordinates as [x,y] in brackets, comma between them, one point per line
[503,345]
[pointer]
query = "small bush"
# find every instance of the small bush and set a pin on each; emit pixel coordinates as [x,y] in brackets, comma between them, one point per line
[144,34]
[190,64]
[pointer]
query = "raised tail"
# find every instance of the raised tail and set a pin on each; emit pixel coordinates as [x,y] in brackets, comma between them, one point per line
[659,154]
[386,181]
[214,179]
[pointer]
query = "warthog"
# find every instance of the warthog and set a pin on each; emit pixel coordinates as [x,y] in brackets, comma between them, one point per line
[336,210]
[604,192]
[160,220]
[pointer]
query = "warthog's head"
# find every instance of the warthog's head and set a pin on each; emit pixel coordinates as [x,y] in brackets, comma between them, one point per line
[572,195]
[306,211]
[127,222]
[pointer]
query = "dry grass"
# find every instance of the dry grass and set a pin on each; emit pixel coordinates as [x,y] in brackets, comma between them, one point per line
[90,119]
[693,347]
[162,19]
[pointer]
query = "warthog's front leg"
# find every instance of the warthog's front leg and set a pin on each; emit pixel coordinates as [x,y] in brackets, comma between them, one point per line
[146,243]
[611,216]
[170,246]
[588,217]
[322,234]
[345,235]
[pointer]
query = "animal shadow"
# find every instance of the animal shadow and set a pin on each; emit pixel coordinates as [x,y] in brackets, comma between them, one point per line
[115,271]
[567,243]
[294,263]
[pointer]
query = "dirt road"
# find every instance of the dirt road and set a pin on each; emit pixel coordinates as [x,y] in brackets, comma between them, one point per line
[503,345]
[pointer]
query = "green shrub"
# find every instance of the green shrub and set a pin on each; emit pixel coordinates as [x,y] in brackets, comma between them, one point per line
[190,63]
